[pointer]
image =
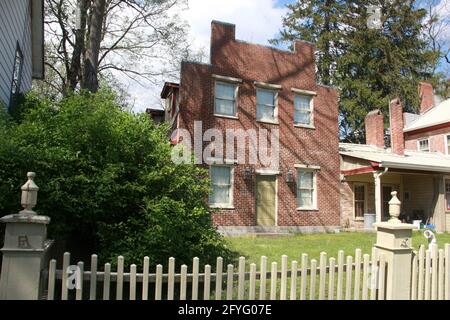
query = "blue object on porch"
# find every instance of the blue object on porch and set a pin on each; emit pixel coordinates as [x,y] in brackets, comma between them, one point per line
[431,226]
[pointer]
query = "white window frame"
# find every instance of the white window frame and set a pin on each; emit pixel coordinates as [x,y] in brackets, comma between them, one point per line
[446,137]
[358,184]
[230,204]
[231,82]
[311,110]
[423,140]
[314,206]
[266,88]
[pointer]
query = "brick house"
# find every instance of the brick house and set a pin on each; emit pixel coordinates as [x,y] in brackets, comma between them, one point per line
[247,86]
[417,165]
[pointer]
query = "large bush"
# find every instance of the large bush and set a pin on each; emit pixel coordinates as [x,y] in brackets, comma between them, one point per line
[107,181]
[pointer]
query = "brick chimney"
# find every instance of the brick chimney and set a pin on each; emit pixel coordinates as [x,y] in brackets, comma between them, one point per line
[221,32]
[426,95]
[375,128]
[397,126]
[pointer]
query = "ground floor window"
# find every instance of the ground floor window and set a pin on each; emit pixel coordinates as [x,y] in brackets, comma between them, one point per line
[306,189]
[360,200]
[222,183]
[447,194]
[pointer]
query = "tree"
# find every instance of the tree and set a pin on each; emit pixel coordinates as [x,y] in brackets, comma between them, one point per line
[369,66]
[437,26]
[107,181]
[88,39]
[317,21]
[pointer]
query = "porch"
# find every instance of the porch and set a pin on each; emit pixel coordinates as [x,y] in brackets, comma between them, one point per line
[369,175]
[421,196]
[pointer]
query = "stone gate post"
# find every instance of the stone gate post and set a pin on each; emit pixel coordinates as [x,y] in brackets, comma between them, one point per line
[24,248]
[394,241]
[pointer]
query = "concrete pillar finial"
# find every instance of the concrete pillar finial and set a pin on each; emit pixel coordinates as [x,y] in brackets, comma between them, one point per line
[394,208]
[29,195]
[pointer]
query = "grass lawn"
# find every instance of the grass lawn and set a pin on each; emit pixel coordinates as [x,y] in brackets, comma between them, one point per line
[273,248]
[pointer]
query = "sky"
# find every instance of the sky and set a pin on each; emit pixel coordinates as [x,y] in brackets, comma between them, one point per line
[256,21]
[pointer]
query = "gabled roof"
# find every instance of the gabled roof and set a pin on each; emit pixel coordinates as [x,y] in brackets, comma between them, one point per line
[433,117]
[412,160]
[166,89]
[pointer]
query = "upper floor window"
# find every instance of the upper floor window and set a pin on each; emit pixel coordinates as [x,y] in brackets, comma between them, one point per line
[306,189]
[222,186]
[303,106]
[447,140]
[266,105]
[17,71]
[424,145]
[225,99]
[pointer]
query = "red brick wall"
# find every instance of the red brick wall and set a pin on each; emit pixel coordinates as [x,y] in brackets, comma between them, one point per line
[318,147]
[375,129]
[438,139]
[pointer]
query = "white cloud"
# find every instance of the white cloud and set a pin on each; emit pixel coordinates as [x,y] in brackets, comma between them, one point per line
[256,21]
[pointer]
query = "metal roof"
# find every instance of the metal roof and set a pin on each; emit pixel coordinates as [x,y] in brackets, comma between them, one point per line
[435,116]
[412,160]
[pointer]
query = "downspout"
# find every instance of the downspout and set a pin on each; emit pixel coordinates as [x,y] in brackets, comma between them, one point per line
[377,177]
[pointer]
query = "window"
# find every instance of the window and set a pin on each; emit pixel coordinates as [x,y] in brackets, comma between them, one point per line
[222,183]
[266,101]
[225,99]
[447,194]
[448,144]
[306,189]
[360,200]
[424,145]
[303,110]
[17,71]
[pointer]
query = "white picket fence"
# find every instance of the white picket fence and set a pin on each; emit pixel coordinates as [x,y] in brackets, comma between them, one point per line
[430,278]
[358,277]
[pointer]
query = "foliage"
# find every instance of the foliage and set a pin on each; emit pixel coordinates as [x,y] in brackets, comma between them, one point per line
[87,40]
[369,66]
[107,180]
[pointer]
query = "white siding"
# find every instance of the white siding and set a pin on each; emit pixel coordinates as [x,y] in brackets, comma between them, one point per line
[15,26]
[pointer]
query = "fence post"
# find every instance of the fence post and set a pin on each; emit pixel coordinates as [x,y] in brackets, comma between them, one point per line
[24,250]
[394,241]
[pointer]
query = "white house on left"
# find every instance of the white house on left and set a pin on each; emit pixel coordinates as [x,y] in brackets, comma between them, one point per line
[21,46]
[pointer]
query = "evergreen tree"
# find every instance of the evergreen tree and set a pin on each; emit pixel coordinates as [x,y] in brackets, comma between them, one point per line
[370,66]
[319,22]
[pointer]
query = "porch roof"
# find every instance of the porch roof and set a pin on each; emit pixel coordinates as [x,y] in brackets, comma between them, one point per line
[412,160]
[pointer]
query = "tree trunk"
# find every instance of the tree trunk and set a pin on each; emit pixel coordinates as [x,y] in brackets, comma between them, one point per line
[90,78]
[75,72]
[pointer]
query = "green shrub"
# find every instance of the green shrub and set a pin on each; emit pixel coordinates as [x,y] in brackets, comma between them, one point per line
[107,180]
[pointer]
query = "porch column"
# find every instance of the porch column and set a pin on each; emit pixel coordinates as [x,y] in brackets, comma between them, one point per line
[439,203]
[377,177]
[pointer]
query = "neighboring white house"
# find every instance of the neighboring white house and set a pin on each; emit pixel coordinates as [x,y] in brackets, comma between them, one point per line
[21,46]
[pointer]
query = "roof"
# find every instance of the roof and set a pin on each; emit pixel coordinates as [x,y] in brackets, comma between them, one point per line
[412,160]
[433,117]
[166,89]
[155,111]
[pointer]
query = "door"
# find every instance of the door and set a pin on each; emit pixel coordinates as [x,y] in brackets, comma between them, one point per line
[266,200]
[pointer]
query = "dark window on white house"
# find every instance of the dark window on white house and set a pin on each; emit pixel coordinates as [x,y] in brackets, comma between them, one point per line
[17,71]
